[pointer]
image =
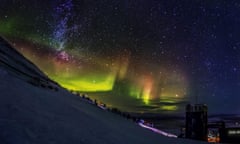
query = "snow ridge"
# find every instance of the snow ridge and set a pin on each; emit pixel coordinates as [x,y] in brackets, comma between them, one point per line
[35,110]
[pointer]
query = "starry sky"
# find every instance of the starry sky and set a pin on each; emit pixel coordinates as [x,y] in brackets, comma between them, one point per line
[151,56]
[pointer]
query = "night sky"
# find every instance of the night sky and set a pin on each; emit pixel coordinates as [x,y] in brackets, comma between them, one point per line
[152,56]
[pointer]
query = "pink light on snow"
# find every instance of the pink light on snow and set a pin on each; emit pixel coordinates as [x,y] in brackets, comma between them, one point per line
[157,130]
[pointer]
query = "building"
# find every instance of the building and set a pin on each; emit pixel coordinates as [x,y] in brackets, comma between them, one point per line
[230,135]
[196,122]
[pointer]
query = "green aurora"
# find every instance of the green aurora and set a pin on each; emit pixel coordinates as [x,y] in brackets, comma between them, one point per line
[128,85]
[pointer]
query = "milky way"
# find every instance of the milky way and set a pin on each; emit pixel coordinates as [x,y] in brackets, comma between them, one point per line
[140,56]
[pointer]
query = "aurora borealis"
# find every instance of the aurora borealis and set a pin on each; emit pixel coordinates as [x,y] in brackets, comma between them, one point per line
[140,56]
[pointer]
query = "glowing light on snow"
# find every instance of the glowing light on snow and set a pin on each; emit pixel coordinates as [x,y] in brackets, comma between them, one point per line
[157,131]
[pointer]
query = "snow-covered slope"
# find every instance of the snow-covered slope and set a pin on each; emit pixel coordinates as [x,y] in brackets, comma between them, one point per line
[35,110]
